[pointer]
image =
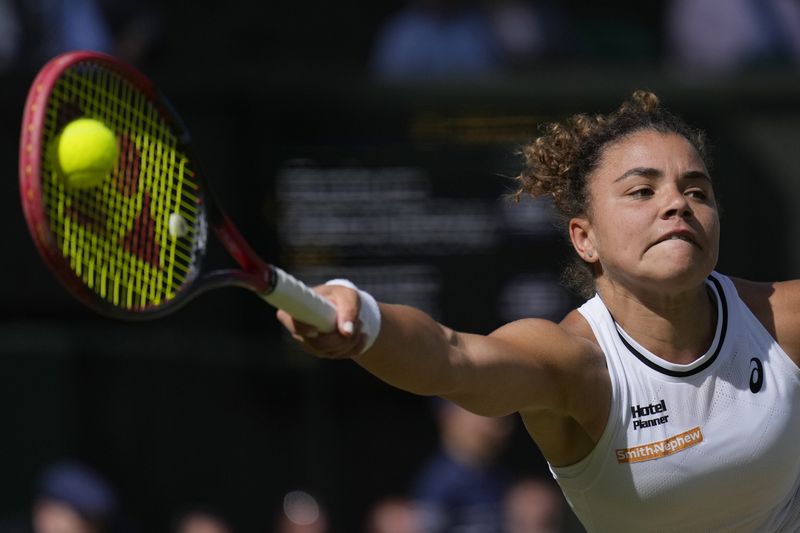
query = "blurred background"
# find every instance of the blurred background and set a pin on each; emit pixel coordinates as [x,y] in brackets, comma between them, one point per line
[374,141]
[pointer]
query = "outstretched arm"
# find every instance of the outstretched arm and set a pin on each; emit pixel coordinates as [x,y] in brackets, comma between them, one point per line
[527,365]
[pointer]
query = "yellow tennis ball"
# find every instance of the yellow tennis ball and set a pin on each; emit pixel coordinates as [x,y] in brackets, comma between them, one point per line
[86,153]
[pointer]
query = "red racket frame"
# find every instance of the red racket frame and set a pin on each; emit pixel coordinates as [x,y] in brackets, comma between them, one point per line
[255,274]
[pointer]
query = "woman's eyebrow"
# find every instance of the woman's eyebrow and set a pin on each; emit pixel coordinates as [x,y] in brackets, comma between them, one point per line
[647,172]
[697,175]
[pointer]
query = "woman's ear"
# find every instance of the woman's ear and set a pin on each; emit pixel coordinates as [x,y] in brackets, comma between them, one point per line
[582,237]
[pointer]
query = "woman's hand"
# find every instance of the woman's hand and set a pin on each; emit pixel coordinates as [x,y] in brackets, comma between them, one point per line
[345,341]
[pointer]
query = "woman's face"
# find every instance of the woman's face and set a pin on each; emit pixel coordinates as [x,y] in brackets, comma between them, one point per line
[653,216]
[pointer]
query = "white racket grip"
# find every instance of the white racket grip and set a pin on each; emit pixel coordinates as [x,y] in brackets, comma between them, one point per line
[297,299]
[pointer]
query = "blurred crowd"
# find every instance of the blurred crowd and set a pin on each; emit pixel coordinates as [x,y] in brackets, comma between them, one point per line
[434,37]
[33,31]
[424,38]
[462,488]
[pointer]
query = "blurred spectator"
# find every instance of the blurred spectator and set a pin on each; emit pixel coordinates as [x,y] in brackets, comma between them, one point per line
[437,38]
[461,488]
[534,506]
[10,35]
[520,31]
[34,31]
[532,32]
[201,520]
[55,26]
[301,514]
[70,498]
[727,35]
[73,498]
[441,38]
[394,515]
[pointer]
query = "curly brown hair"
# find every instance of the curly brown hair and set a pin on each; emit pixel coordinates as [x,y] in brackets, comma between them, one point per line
[559,163]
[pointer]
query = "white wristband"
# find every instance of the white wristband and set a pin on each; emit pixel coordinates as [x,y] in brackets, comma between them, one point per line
[369,314]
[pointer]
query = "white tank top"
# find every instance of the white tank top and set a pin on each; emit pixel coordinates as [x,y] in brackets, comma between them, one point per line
[709,446]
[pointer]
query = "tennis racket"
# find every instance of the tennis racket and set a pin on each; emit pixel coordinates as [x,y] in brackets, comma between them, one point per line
[133,246]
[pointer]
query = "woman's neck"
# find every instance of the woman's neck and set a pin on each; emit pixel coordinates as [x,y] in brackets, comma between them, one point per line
[679,328]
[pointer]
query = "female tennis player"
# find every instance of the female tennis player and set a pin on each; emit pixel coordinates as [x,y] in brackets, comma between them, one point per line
[670,400]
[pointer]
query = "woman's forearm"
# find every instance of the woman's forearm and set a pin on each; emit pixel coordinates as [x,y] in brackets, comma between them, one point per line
[414,352]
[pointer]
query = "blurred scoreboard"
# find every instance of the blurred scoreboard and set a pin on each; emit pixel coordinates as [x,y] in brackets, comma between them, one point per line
[429,222]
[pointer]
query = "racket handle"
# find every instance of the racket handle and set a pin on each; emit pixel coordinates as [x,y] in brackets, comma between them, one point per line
[297,299]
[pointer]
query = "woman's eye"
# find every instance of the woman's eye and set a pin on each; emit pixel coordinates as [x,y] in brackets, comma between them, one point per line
[641,193]
[697,193]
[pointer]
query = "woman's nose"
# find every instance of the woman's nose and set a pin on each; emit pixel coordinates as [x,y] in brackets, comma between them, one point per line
[677,205]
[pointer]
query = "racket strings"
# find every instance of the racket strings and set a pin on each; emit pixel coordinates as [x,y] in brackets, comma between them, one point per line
[116,236]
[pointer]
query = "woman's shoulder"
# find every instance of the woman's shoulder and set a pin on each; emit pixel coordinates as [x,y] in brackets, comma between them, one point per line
[567,439]
[567,347]
[573,326]
[576,324]
[768,299]
[776,305]
[756,296]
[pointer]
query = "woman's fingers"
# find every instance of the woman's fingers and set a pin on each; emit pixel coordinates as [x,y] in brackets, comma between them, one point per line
[344,342]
